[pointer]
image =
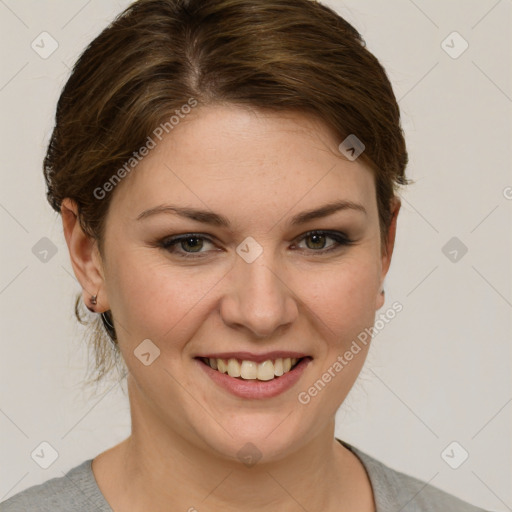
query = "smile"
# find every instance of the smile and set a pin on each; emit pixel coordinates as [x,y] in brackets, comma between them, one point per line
[253,376]
[251,370]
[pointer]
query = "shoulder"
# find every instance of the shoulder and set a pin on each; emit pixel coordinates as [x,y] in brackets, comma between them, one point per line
[394,490]
[75,491]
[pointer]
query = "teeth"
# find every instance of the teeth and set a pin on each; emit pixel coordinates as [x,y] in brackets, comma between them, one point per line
[278,367]
[234,368]
[250,370]
[266,370]
[222,367]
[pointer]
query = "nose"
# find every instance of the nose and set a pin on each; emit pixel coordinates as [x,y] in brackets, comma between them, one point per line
[259,298]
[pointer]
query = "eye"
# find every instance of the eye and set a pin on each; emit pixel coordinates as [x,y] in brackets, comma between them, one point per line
[318,240]
[191,243]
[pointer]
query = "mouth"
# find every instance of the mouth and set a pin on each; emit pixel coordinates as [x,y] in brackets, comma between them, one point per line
[254,376]
[250,369]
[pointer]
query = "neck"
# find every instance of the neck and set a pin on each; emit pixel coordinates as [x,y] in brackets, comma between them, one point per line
[156,467]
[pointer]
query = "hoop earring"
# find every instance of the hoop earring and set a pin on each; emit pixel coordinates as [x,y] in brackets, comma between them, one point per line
[105,319]
[109,328]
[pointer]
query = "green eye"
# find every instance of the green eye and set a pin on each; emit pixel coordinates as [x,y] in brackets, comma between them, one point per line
[318,239]
[192,241]
[196,244]
[190,245]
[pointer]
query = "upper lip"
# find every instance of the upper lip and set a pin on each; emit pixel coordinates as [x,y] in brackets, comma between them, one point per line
[257,358]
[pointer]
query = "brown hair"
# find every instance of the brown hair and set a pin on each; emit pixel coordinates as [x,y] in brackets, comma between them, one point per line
[157,55]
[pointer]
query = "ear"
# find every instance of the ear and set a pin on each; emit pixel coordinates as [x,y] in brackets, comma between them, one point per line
[85,258]
[387,250]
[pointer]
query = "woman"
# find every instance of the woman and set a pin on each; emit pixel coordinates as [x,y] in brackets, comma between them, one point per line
[226,172]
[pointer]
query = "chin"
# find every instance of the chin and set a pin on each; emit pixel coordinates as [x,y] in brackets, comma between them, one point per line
[266,436]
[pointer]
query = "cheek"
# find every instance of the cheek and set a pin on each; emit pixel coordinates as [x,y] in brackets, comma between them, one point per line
[343,296]
[157,300]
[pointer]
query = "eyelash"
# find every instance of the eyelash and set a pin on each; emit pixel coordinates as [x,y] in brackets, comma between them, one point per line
[340,238]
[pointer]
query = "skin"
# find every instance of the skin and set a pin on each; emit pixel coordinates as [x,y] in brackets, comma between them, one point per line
[258,169]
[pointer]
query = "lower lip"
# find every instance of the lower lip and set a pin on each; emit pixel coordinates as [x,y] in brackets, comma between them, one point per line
[256,389]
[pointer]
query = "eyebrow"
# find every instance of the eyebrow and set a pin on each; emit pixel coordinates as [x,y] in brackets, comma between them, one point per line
[216,219]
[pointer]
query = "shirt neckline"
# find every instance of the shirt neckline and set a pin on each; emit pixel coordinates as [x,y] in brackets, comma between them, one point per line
[94,494]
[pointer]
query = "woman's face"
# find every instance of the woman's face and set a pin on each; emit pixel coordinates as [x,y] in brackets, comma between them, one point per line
[249,283]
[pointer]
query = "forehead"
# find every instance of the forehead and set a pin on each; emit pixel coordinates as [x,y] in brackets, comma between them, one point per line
[226,155]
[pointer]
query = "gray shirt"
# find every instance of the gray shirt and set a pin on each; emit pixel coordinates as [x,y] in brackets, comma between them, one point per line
[393,492]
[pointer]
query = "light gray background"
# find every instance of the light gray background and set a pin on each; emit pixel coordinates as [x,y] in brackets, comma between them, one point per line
[439,372]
